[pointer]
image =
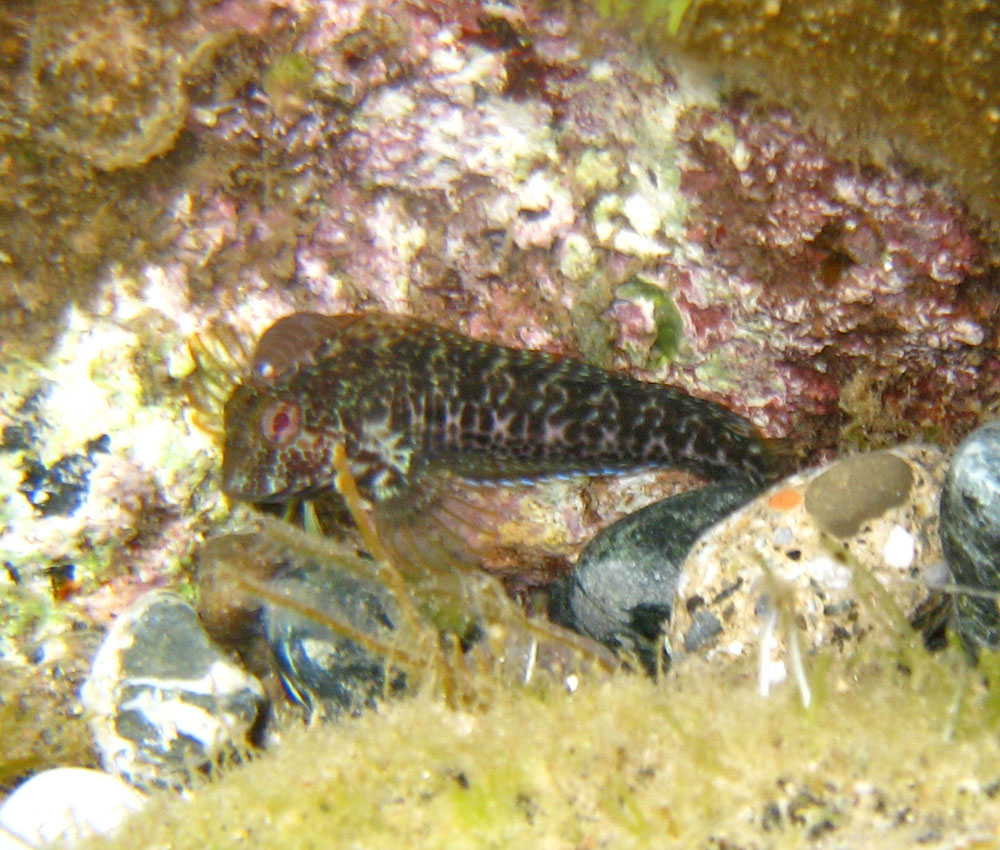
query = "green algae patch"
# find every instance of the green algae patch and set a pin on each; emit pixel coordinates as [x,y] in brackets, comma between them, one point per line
[671,12]
[668,324]
[883,756]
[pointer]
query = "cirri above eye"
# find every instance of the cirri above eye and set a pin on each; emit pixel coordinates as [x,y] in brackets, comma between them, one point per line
[280,421]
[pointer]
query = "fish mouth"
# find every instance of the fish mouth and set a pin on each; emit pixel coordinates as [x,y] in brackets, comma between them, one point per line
[238,483]
[241,485]
[242,492]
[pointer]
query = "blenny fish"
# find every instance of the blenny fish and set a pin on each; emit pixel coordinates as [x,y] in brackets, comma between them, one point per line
[413,405]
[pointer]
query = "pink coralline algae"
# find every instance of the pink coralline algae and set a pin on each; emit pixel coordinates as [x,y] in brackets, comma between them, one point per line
[506,169]
[839,268]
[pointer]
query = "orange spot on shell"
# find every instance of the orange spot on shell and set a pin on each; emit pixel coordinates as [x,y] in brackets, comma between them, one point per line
[785,500]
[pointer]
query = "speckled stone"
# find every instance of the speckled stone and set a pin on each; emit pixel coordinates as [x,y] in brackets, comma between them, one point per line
[323,670]
[790,563]
[165,703]
[623,588]
[970,533]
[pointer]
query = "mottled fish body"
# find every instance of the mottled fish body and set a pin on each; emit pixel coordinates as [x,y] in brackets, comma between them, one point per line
[408,399]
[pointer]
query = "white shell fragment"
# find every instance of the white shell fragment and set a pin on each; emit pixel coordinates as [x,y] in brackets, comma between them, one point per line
[66,804]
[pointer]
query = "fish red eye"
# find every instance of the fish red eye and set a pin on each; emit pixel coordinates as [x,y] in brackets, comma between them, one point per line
[280,422]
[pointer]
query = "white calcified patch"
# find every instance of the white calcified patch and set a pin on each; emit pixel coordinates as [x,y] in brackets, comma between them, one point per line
[174,717]
[827,573]
[900,548]
[645,216]
[399,238]
[92,384]
[219,679]
[96,381]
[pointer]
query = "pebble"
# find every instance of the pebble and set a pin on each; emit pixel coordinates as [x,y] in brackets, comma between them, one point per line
[165,702]
[820,559]
[622,589]
[837,504]
[324,670]
[65,804]
[970,534]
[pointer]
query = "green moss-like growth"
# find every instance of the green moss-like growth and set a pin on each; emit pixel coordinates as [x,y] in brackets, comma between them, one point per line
[882,757]
[667,318]
[38,728]
[670,11]
[288,82]
[918,78]
[872,423]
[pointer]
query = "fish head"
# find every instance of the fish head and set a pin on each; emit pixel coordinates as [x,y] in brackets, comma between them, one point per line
[271,454]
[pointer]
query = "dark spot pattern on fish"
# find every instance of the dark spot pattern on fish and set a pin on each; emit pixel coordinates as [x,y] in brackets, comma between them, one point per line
[409,399]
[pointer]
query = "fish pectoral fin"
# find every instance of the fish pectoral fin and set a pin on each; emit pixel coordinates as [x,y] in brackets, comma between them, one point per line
[506,529]
[435,524]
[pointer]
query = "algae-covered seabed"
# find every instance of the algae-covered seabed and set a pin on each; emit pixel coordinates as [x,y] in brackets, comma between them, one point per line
[885,757]
[250,210]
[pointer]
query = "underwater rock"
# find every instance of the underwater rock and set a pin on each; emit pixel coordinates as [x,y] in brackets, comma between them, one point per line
[65,805]
[913,78]
[623,587]
[324,670]
[827,557]
[970,533]
[107,85]
[301,615]
[165,702]
[344,631]
[62,488]
[838,501]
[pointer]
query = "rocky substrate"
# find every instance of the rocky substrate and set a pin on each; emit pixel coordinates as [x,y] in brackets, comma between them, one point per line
[843,558]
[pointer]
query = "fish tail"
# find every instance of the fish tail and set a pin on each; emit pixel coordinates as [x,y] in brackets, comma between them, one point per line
[777,457]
